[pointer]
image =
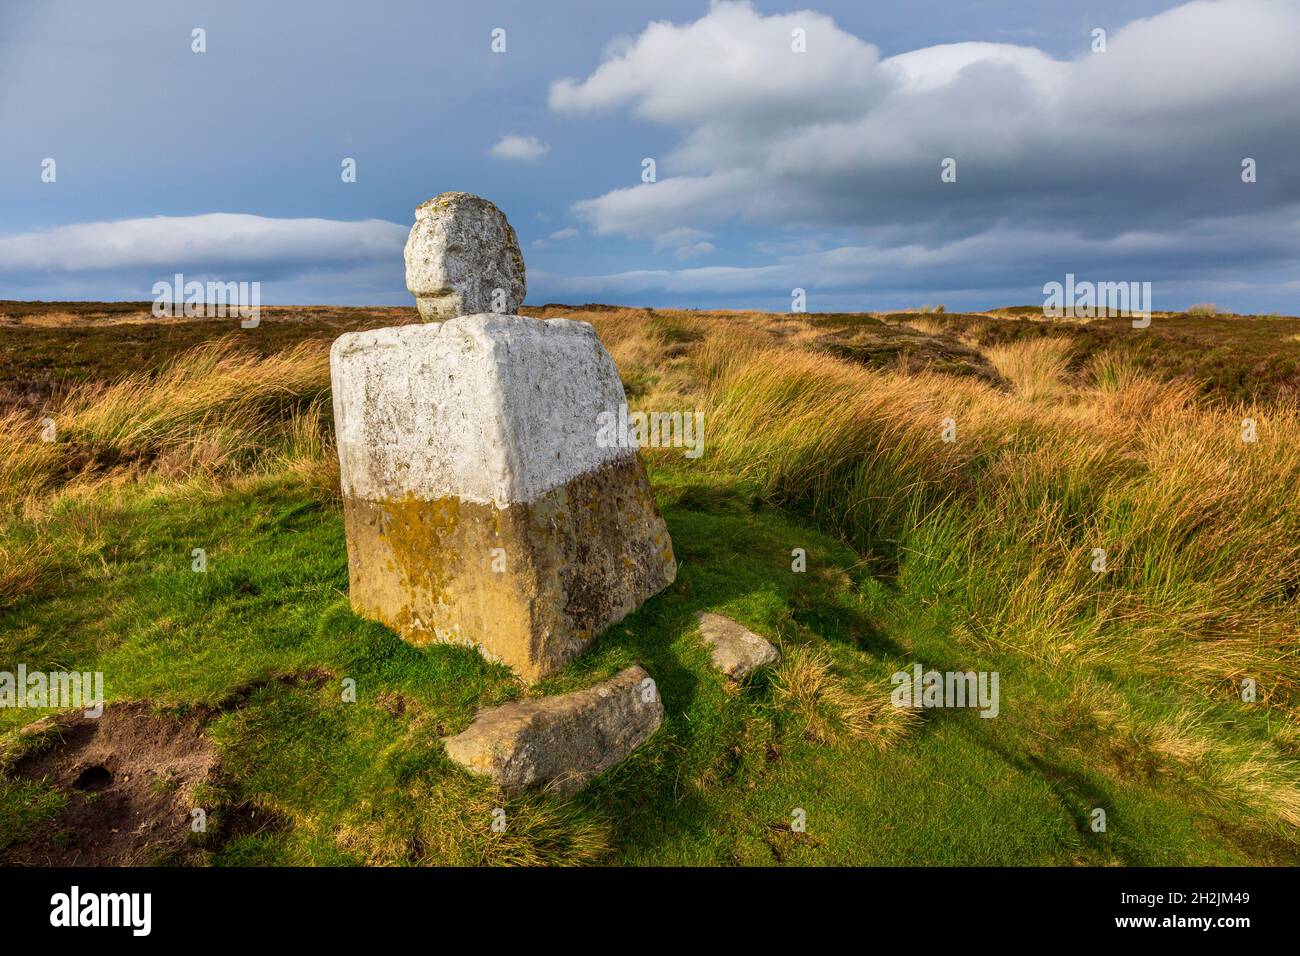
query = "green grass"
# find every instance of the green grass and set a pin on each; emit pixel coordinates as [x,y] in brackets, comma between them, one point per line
[368,782]
[1116,693]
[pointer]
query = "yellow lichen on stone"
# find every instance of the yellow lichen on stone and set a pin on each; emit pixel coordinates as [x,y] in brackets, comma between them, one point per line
[569,573]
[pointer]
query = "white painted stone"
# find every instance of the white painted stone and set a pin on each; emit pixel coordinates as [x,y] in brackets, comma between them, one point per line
[460,251]
[486,408]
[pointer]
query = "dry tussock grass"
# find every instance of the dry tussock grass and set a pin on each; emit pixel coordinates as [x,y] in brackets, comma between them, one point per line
[1201,534]
[1202,538]
[444,826]
[805,684]
[60,320]
[210,411]
[1192,746]
[1036,368]
[927,326]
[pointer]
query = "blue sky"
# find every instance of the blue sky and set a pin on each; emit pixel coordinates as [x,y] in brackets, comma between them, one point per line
[775,169]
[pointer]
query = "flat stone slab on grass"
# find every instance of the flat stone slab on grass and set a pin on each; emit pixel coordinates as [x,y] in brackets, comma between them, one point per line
[737,652]
[560,743]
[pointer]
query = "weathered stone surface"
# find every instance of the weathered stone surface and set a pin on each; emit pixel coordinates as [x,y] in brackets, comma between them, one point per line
[736,651]
[480,507]
[560,743]
[460,250]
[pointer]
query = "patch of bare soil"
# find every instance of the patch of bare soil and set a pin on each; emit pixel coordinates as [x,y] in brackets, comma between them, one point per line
[129,777]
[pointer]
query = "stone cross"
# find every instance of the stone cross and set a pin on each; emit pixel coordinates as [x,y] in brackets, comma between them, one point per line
[484,501]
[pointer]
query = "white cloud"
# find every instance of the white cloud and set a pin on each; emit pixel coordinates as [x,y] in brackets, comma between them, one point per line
[839,138]
[213,240]
[731,65]
[523,149]
[694,250]
[560,235]
[935,67]
[685,243]
[295,259]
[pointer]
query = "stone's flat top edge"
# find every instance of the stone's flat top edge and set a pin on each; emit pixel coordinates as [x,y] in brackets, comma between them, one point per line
[718,629]
[524,713]
[453,197]
[482,323]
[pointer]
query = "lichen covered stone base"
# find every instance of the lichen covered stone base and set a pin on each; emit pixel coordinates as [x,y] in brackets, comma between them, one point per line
[529,584]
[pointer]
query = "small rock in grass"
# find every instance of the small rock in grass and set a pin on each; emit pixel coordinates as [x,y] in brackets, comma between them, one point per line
[737,652]
[560,743]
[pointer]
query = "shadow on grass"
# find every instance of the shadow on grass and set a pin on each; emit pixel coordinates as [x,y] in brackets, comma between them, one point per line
[734,557]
